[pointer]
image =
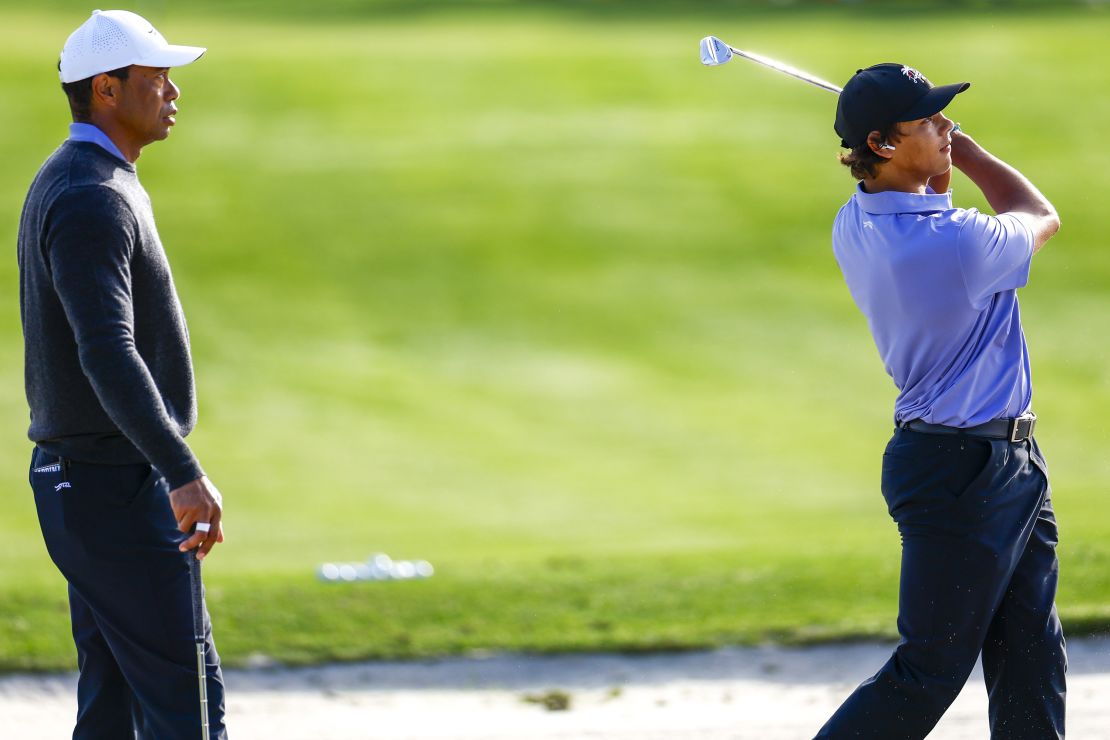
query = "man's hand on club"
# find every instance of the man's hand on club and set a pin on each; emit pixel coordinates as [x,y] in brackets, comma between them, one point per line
[964,149]
[197,502]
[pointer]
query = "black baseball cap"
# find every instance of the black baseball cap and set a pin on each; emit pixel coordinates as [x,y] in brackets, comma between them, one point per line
[885,94]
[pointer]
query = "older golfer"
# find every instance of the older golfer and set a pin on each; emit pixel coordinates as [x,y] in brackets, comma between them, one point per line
[121,499]
[962,476]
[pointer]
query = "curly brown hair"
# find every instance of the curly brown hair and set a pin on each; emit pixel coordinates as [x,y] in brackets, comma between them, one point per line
[862,161]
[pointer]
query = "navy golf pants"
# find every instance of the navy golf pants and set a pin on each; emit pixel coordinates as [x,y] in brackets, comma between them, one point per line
[112,534]
[979,574]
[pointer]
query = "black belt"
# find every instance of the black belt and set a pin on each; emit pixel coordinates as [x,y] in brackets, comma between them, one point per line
[1013,430]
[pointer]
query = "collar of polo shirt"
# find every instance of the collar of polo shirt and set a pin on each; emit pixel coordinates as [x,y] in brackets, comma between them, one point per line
[895,201]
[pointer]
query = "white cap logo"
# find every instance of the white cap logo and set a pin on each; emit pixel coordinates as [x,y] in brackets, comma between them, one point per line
[914,75]
[111,39]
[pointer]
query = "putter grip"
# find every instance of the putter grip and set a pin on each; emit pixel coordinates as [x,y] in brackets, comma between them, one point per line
[197,595]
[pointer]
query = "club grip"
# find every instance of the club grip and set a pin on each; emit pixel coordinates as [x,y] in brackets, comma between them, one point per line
[197,595]
[197,598]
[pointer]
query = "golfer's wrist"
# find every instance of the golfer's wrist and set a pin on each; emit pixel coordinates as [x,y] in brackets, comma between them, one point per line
[183,475]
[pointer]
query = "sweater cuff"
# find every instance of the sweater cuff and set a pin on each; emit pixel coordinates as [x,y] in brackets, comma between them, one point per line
[183,473]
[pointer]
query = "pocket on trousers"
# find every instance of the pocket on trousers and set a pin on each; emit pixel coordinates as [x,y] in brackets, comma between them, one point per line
[970,462]
[107,511]
[930,473]
[1037,457]
[48,476]
[107,487]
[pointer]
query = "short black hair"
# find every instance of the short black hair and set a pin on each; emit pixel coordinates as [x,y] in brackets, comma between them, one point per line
[80,93]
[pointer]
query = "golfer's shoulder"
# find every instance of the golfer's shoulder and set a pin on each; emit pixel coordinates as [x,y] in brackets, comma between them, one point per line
[848,219]
[96,186]
[948,226]
[82,167]
[977,230]
[94,204]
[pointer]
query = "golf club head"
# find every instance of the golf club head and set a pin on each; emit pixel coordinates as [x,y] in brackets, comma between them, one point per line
[714,52]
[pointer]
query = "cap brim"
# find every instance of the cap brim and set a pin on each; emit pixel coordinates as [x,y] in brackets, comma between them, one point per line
[172,56]
[934,101]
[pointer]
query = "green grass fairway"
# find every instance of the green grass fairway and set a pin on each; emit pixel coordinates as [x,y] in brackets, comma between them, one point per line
[557,312]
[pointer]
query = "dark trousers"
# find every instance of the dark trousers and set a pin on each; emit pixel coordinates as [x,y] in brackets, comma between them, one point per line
[979,574]
[112,534]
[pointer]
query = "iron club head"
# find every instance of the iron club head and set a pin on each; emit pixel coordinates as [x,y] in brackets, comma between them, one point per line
[714,52]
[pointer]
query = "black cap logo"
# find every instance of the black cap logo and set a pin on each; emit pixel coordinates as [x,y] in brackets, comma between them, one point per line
[915,76]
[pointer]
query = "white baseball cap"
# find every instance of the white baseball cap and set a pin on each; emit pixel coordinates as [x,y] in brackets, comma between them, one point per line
[111,39]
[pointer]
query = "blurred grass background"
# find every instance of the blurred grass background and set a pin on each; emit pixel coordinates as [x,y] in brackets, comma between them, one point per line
[522,289]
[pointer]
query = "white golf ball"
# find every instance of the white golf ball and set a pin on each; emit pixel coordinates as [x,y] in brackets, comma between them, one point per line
[381,561]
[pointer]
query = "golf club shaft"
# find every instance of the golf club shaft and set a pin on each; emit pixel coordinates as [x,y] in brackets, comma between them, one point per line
[786,69]
[198,637]
[202,679]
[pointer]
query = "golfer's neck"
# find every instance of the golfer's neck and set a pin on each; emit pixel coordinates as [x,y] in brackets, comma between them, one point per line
[889,178]
[129,148]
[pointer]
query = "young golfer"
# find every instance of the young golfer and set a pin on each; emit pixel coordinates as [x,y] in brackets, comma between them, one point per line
[963,477]
[121,499]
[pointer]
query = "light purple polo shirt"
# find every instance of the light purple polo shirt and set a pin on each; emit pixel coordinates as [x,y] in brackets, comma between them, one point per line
[938,287]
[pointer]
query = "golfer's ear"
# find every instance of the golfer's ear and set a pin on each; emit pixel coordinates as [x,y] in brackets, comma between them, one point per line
[876,144]
[105,89]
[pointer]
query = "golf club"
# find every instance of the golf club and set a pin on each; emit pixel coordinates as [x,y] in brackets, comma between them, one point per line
[198,637]
[715,52]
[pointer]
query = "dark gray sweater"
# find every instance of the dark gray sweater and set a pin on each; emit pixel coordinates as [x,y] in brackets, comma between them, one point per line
[108,374]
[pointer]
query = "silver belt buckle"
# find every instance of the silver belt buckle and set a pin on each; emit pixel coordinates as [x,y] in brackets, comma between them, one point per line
[1022,427]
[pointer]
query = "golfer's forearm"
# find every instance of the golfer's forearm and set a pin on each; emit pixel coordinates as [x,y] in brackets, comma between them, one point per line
[1006,189]
[127,392]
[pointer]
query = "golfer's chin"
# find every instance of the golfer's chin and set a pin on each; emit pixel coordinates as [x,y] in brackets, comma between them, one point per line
[943,165]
